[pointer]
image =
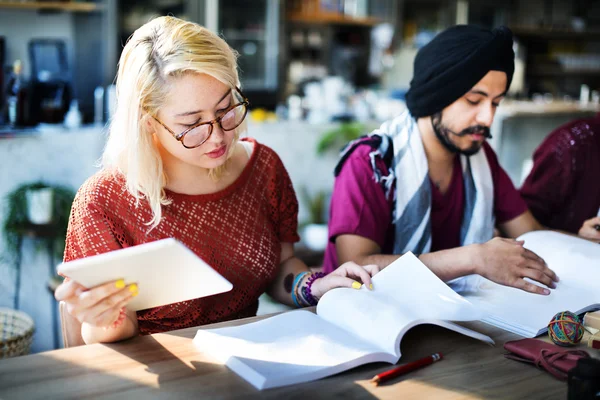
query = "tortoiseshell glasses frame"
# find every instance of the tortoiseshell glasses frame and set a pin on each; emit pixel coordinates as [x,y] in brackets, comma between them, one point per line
[234,115]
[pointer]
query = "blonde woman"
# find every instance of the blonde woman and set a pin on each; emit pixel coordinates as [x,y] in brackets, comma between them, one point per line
[174,167]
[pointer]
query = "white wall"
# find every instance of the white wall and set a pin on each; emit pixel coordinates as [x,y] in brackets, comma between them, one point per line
[19,26]
[296,143]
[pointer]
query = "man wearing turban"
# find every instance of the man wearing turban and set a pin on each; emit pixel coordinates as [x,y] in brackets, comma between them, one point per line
[427,181]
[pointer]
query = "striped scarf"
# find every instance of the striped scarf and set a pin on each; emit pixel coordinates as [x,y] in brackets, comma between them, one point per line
[399,141]
[412,212]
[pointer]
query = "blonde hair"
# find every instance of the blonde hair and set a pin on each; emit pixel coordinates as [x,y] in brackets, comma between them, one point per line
[164,47]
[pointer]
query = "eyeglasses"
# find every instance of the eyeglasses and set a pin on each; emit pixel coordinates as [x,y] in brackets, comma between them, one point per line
[229,119]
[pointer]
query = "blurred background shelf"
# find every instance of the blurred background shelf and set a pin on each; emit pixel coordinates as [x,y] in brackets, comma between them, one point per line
[558,72]
[559,34]
[332,19]
[74,6]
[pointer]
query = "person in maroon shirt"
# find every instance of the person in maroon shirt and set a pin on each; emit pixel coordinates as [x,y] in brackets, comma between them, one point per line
[563,189]
[173,167]
[460,78]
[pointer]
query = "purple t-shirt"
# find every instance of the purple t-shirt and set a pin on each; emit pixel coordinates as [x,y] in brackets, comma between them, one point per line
[562,190]
[359,205]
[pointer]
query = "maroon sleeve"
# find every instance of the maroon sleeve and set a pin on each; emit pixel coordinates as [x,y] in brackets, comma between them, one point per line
[358,204]
[548,184]
[92,229]
[508,203]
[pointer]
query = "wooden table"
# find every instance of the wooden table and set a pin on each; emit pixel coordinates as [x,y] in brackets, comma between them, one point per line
[168,366]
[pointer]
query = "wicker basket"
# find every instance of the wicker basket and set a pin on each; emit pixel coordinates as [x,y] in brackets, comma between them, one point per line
[17,333]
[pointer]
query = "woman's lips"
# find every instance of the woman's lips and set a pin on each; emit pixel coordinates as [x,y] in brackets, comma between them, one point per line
[219,152]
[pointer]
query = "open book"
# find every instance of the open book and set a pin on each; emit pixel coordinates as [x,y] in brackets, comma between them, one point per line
[576,262]
[351,327]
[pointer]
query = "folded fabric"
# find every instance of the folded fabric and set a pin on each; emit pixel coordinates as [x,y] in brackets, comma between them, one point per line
[554,359]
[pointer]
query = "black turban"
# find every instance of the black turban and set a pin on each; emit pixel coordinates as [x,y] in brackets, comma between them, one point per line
[453,62]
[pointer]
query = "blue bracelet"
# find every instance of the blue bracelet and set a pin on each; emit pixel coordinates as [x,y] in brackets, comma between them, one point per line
[297,281]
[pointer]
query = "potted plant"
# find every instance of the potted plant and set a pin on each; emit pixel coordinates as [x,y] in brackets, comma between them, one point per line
[315,232]
[337,138]
[39,205]
[37,210]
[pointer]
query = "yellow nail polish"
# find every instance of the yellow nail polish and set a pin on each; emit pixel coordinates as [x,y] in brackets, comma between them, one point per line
[135,293]
[133,288]
[120,284]
[355,285]
[371,286]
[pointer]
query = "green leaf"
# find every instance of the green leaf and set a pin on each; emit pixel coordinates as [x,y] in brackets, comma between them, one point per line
[337,138]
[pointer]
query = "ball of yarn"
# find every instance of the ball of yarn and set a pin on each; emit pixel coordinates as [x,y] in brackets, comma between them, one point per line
[565,329]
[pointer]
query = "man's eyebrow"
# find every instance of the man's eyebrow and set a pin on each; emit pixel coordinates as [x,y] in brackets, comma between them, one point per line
[481,92]
[184,114]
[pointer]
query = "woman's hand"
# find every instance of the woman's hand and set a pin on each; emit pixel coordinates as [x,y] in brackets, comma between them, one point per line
[346,275]
[100,306]
[588,229]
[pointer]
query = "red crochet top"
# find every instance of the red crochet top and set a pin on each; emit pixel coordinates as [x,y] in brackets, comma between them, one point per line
[238,231]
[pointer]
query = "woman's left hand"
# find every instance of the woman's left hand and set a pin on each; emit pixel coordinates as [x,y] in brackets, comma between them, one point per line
[348,275]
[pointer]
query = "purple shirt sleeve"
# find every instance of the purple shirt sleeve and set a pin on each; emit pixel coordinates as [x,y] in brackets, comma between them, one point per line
[562,188]
[358,204]
[508,203]
[547,185]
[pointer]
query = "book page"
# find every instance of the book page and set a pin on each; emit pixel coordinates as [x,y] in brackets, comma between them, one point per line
[577,264]
[354,327]
[296,346]
[404,292]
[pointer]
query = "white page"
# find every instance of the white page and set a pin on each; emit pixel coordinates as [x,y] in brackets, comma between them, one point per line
[165,270]
[404,292]
[577,264]
[297,346]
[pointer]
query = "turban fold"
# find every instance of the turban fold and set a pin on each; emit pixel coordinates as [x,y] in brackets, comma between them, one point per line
[453,62]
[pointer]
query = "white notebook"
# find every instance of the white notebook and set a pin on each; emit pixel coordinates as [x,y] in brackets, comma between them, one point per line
[166,272]
[576,262]
[351,327]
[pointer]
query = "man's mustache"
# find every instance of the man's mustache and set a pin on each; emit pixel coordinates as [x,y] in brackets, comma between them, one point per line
[477,129]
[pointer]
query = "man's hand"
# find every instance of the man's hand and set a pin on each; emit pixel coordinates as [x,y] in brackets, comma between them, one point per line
[507,262]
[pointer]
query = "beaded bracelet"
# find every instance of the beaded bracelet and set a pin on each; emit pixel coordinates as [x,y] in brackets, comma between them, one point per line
[307,289]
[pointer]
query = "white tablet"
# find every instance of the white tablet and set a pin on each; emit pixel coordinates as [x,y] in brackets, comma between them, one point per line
[166,272]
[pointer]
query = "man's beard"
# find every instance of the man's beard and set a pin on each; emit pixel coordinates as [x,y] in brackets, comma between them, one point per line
[443,134]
